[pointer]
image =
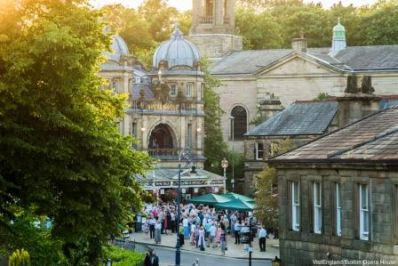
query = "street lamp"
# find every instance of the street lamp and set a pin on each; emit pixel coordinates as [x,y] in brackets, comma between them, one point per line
[186,156]
[233,150]
[224,165]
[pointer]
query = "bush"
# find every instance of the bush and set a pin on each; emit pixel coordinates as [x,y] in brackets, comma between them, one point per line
[124,257]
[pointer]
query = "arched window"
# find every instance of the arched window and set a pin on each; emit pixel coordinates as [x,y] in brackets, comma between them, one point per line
[238,122]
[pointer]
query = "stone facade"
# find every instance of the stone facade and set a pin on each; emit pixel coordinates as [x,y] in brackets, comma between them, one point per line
[305,246]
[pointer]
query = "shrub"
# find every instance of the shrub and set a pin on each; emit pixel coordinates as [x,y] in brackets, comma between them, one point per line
[124,257]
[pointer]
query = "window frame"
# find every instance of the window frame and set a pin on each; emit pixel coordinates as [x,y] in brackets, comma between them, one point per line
[296,219]
[317,207]
[364,216]
[259,151]
[338,209]
[173,89]
[189,89]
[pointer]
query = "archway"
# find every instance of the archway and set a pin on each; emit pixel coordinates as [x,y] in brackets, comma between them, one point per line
[161,141]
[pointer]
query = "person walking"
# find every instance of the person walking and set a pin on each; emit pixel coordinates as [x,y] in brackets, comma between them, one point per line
[237,233]
[152,223]
[147,260]
[262,237]
[158,232]
[223,241]
[154,258]
[201,241]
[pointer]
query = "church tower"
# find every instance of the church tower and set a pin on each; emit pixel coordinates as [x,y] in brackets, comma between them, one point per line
[213,24]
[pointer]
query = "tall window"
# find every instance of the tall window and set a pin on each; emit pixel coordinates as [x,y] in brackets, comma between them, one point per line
[338,209]
[134,129]
[259,151]
[363,212]
[317,207]
[173,90]
[189,89]
[239,122]
[295,206]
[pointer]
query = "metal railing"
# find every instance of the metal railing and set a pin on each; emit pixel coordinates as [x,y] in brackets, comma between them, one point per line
[163,151]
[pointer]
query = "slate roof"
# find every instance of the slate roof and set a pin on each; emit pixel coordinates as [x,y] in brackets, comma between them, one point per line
[299,118]
[356,58]
[373,138]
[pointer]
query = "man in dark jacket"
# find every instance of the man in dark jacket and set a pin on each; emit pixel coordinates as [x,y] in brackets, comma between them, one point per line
[154,259]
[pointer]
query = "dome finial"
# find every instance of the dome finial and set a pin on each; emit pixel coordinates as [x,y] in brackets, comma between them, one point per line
[338,20]
[177,32]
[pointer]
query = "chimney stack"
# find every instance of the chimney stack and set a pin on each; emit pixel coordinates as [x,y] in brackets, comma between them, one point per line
[299,44]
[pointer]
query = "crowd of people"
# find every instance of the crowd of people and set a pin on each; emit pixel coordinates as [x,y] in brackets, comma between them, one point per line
[202,226]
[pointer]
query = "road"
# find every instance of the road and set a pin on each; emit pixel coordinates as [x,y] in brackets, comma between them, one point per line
[167,257]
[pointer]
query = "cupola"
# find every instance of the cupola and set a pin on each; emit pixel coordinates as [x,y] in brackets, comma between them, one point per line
[176,52]
[339,40]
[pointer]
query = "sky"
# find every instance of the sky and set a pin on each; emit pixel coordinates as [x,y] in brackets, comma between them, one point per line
[187,4]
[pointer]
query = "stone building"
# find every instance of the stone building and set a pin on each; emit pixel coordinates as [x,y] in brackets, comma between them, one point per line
[304,121]
[165,112]
[250,77]
[338,195]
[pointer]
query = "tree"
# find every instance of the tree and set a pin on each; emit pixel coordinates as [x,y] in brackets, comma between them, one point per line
[259,30]
[62,155]
[267,189]
[214,146]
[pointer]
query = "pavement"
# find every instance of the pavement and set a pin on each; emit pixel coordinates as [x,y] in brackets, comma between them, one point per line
[234,251]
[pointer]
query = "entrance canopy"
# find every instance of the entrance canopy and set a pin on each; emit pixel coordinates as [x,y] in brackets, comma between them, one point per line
[236,204]
[211,199]
[232,196]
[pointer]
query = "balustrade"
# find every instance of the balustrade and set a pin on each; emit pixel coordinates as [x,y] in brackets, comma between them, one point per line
[206,20]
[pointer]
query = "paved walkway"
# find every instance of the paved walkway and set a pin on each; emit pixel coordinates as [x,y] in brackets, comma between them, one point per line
[234,251]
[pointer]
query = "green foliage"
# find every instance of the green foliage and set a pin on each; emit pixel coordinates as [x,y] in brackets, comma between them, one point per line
[322,96]
[273,23]
[62,155]
[266,184]
[29,232]
[267,198]
[19,257]
[214,145]
[258,30]
[123,257]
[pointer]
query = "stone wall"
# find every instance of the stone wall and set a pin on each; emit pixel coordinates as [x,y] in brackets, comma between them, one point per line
[300,248]
[216,45]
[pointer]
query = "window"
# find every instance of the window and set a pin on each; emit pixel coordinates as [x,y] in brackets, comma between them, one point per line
[188,90]
[295,206]
[238,122]
[134,129]
[317,207]
[259,151]
[363,212]
[338,209]
[189,135]
[173,90]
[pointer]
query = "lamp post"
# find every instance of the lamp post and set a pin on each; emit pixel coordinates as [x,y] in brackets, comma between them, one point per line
[184,155]
[233,150]
[224,165]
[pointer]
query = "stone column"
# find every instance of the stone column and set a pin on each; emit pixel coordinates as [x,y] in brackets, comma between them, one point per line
[144,131]
[126,78]
[182,132]
[231,13]
[196,13]
[218,16]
